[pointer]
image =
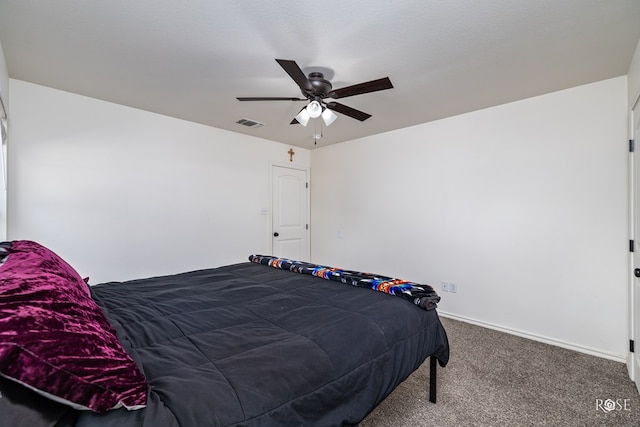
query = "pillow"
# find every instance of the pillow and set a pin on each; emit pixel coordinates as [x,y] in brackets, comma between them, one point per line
[56,340]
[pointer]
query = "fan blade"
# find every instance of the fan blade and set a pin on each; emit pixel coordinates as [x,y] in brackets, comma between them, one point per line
[360,88]
[269,99]
[348,111]
[296,74]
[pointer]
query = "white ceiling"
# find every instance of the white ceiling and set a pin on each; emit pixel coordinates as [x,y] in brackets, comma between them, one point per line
[190,59]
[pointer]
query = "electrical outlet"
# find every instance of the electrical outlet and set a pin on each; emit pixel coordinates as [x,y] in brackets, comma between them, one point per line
[453,288]
[444,286]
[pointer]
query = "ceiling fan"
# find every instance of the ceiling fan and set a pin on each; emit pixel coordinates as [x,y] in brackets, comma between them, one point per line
[316,89]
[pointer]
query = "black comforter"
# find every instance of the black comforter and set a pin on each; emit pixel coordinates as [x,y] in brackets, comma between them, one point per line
[255,346]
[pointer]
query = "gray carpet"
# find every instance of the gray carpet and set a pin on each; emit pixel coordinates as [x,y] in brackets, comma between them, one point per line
[497,379]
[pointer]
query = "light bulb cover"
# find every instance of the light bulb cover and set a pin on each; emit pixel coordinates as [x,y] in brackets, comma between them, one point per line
[314,109]
[303,117]
[328,116]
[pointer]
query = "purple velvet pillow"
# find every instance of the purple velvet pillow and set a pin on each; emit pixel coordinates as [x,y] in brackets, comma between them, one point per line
[56,340]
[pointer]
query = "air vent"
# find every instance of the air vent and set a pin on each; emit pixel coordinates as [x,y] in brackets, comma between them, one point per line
[249,123]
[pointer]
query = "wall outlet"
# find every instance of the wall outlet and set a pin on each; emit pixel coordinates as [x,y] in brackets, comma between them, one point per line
[444,286]
[453,288]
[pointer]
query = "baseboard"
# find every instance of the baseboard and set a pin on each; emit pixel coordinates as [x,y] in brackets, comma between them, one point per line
[586,350]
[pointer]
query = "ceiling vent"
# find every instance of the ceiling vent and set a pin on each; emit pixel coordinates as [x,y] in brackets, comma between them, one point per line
[249,123]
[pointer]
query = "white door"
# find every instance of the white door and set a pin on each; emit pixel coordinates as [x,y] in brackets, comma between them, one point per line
[635,227]
[290,213]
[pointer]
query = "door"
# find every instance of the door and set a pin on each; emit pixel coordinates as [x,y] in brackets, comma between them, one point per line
[290,213]
[635,226]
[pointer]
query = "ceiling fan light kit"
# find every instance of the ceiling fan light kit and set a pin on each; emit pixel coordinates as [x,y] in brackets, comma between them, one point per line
[316,89]
[315,110]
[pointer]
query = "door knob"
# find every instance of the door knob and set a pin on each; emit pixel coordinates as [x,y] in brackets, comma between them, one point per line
[636,272]
[276,234]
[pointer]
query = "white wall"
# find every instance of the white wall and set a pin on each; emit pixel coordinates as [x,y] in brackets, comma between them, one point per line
[122,193]
[523,205]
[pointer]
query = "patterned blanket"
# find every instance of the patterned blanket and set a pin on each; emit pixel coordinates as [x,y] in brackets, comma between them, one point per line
[422,295]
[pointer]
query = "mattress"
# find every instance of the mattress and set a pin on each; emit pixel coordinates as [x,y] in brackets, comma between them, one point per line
[249,345]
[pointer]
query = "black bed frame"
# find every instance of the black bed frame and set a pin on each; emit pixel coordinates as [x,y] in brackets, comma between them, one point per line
[433,367]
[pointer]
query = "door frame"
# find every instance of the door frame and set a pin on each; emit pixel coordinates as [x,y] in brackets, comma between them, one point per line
[306,169]
[634,311]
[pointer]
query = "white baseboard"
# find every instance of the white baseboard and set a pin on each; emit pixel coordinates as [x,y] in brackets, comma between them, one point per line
[535,337]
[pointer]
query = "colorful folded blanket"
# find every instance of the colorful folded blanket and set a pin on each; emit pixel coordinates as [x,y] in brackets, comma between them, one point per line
[422,295]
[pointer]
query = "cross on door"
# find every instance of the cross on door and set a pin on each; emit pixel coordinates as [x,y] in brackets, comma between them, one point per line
[291,153]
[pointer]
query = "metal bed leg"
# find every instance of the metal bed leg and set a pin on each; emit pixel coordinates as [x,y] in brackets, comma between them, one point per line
[432,379]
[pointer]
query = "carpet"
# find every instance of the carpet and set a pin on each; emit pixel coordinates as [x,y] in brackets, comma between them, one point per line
[498,379]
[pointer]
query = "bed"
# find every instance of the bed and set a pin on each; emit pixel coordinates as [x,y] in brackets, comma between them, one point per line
[239,345]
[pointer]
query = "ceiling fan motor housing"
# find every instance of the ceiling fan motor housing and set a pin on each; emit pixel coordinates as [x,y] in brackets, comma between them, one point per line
[321,86]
